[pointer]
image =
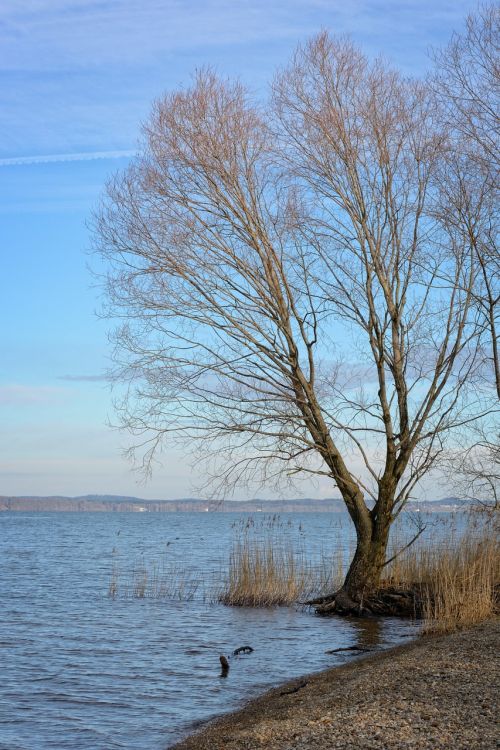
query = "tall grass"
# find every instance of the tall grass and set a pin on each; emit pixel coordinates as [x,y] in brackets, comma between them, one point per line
[262,576]
[453,573]
[152,579]
[457,582]
[463,587]
[269,567]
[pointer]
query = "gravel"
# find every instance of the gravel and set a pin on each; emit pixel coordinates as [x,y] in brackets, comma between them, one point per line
[437,693]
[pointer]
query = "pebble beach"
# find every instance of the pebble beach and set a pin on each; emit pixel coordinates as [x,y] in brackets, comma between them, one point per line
[439,692]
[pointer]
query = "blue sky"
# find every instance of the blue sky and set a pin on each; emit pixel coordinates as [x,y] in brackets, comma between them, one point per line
[77,80]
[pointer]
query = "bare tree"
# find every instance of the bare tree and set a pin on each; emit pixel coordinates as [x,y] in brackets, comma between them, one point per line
[467,83]
[475,472]
[291,297]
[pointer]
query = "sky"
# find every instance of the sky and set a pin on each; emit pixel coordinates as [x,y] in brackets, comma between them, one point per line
[77,80]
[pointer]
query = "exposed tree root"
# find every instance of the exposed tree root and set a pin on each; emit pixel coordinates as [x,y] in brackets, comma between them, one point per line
[391,601]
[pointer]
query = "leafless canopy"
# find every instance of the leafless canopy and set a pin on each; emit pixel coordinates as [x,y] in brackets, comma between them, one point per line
[467,84]
[477,477]
[468,80]
[292,294]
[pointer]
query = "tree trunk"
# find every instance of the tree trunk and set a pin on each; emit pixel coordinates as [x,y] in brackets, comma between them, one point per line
[365,570]
[366,567]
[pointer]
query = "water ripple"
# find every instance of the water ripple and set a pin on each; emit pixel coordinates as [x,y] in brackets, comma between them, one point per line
[81,671]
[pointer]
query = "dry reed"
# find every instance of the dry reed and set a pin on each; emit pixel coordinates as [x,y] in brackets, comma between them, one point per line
[454,572]
[262,576]
[269,567]
[463,586]
[457,582]
[156,579]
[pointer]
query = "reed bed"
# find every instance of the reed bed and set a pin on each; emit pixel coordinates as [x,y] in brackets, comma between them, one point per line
[457,581]
[262,576]
[453,569]
[153,579]
[269,566]
[464,586]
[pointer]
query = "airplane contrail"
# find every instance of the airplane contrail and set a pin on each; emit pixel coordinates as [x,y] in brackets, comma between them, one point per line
[53,158]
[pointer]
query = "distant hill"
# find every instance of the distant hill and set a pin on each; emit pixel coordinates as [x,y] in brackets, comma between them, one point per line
[119,503]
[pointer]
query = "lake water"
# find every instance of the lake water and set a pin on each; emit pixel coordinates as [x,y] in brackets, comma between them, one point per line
[81,669]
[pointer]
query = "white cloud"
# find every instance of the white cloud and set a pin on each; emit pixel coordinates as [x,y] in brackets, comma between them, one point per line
[79,75]
[45,34]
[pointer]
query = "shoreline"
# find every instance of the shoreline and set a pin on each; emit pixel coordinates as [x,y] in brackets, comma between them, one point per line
[435,692]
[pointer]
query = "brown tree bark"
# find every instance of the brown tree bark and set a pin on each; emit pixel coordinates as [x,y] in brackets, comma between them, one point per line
[364,574]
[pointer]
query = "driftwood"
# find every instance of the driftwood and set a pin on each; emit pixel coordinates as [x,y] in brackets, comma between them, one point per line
[224,661]
[224,664]
[359,649]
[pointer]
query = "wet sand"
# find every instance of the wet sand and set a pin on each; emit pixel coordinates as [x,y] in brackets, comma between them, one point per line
[437,693]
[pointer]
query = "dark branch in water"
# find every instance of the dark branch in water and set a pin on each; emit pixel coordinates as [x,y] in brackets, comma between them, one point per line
[224,666]
[347,648]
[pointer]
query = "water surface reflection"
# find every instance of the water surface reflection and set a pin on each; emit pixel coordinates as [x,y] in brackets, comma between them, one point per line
[83,671]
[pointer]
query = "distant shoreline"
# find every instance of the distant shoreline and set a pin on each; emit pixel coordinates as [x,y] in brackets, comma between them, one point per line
[110,503]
